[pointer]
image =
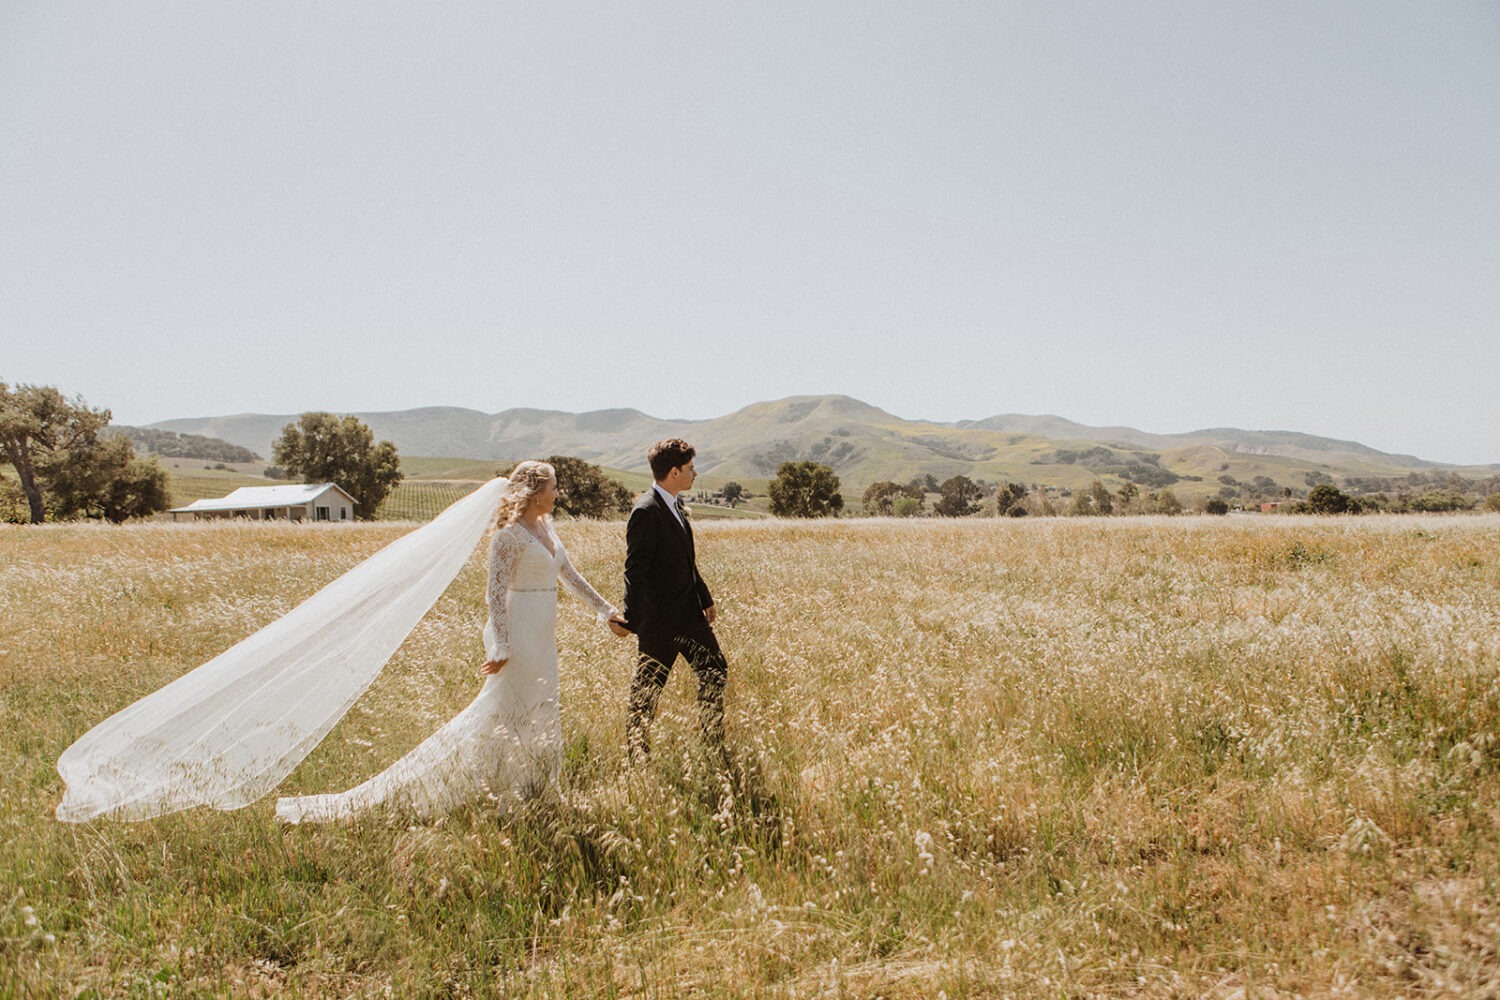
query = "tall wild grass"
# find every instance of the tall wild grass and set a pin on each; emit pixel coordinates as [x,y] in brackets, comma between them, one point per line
[1177,757]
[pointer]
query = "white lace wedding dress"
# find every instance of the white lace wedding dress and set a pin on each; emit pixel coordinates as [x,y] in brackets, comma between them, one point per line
[507,744]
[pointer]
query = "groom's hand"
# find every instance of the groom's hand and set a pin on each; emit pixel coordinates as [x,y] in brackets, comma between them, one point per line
[710,613]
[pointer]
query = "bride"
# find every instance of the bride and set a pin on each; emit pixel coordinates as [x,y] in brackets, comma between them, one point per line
[507,744]
[225,734]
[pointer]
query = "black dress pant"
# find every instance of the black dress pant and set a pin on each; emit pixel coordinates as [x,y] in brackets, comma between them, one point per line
[697,644]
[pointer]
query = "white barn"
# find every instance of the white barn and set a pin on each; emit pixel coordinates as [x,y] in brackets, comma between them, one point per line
[300,502]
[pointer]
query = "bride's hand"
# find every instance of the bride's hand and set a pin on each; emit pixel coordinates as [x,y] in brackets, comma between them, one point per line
[493,666]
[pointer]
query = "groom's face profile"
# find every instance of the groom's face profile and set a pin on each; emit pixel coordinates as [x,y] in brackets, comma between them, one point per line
[681,478]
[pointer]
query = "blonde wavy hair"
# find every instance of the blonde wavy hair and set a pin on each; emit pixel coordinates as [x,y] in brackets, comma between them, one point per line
[526,481]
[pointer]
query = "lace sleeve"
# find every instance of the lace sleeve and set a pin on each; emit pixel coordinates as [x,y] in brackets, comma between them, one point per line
[580,588]
[505,550]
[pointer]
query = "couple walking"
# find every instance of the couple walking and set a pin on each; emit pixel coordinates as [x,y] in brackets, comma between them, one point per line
[507,744]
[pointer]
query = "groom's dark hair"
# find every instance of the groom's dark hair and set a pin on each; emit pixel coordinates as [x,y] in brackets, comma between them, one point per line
[667,455]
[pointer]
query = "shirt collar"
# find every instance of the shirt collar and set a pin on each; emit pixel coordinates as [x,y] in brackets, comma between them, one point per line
[669,500]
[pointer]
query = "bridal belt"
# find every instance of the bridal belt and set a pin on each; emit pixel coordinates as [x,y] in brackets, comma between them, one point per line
[534,590]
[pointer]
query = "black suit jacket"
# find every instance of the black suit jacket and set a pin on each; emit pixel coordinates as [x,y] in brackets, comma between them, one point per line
[663,591]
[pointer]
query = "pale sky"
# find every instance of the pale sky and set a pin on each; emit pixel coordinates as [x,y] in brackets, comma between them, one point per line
[1165,215]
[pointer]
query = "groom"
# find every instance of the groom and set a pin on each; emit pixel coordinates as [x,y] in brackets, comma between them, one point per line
[667,604]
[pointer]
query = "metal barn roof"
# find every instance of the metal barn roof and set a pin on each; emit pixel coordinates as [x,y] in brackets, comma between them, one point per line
[262,497]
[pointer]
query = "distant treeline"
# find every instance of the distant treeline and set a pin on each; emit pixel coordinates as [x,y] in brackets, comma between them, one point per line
[1422,482]
[170,444]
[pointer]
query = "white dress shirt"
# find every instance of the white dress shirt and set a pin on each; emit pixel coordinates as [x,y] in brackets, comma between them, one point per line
[671,504]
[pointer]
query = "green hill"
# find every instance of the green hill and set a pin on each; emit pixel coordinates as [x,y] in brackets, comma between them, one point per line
[865,444]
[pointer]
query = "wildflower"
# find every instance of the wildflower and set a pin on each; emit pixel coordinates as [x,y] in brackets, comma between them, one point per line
[923,841]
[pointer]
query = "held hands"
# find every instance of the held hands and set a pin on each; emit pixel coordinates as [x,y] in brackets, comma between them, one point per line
[616,622]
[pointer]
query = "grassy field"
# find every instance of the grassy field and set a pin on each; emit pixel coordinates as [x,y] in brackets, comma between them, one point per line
[1222,757]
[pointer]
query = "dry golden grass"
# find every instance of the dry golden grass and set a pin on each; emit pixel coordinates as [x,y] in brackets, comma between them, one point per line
[1135,757]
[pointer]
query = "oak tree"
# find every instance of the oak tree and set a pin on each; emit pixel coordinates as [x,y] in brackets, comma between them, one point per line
[805,489]
[960,497]
[583,490]
[323,448]
[67,465]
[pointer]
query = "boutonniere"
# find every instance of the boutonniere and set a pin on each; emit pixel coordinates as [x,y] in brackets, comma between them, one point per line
[687,511]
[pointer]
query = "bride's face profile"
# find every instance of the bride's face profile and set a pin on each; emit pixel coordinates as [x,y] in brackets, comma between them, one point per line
[543,500]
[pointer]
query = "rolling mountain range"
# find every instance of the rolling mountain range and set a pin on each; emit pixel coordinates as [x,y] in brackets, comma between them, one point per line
[864,444]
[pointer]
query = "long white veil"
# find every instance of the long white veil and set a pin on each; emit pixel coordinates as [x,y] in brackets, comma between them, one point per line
[226,733]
